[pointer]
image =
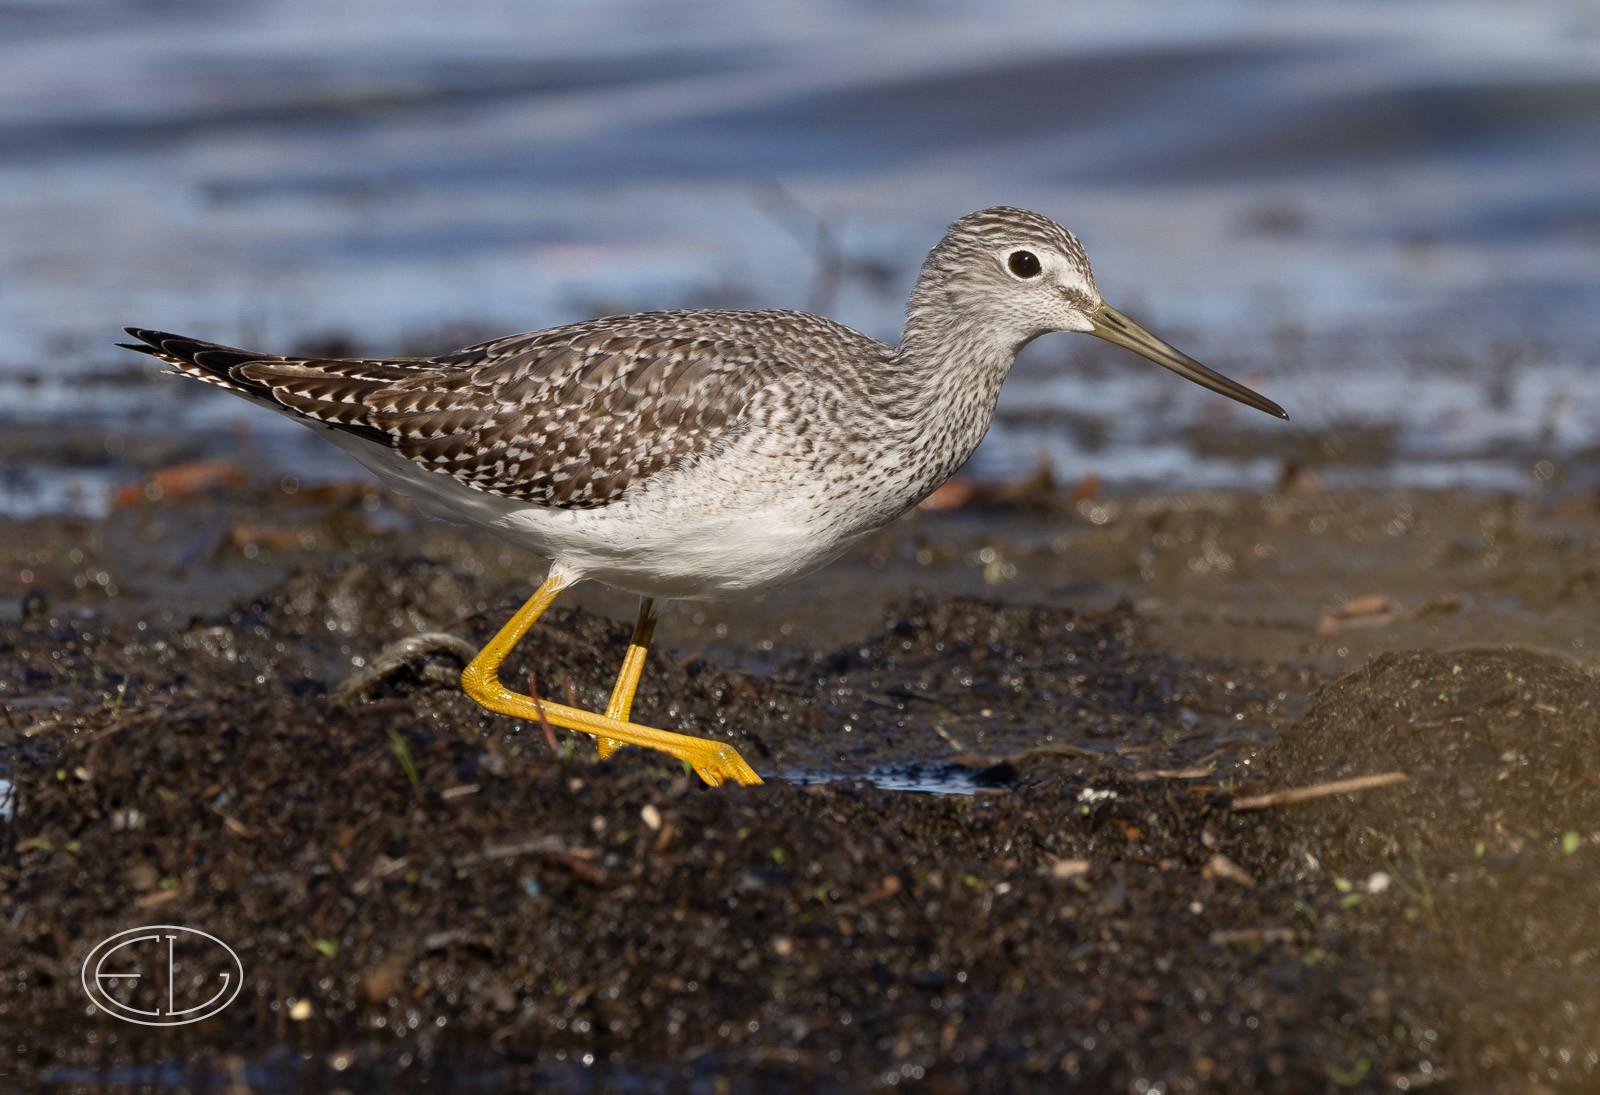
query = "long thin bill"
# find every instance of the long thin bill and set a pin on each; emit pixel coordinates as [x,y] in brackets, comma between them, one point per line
[1113,326]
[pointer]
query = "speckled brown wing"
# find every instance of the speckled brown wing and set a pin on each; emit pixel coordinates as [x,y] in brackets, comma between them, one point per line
[573,418]
[570,417]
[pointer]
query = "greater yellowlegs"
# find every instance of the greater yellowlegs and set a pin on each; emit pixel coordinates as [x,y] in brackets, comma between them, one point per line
[695,454]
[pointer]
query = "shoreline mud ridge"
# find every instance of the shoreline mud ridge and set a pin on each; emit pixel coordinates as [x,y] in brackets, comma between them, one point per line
[1118,894]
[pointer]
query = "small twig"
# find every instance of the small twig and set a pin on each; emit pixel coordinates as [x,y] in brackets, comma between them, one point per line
[47,725]
[1004,768]
[592,873]
[1198,772]
[577,860]
[118,720]
[948,738]
[1055,749]
[1318,790]
[399,654]
[237,827]
[539,845]
[538,705]
[1251,936]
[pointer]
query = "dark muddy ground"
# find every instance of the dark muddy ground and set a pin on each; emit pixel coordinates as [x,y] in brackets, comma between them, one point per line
[423,896]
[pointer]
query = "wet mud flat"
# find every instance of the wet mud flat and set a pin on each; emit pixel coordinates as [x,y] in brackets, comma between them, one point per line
[1106,887]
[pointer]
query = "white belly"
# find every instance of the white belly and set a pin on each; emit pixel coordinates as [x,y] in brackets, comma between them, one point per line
[689,534]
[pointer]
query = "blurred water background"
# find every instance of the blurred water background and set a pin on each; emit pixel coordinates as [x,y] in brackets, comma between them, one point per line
[1384,215]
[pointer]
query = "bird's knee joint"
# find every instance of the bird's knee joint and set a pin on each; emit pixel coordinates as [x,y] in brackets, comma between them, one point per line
[479,681]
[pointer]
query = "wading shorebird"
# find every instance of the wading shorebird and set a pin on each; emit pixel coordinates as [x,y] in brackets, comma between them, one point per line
[695,454]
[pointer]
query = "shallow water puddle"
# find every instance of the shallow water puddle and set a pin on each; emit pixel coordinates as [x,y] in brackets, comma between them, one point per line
[931,777]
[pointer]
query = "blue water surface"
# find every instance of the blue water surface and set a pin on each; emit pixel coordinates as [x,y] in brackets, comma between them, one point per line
[1384,215]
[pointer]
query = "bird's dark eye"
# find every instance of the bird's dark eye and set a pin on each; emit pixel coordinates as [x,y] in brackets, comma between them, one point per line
[1024,264]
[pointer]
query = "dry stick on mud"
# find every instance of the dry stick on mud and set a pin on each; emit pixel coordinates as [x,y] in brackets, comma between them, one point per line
[401,653]
[1318,790]
[550,848]
[538,705]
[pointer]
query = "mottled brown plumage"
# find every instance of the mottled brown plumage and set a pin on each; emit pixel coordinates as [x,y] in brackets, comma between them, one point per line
[568,417]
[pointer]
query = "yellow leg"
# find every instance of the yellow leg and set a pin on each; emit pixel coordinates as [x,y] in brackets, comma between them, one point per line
[632,667]
[714,761]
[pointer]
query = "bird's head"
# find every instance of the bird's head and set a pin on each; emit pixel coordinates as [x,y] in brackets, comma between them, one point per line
[1016,275]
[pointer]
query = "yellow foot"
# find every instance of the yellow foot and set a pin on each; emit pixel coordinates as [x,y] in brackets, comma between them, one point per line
[715,761]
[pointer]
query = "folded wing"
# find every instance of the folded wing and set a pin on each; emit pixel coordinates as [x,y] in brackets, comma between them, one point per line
[569,417]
